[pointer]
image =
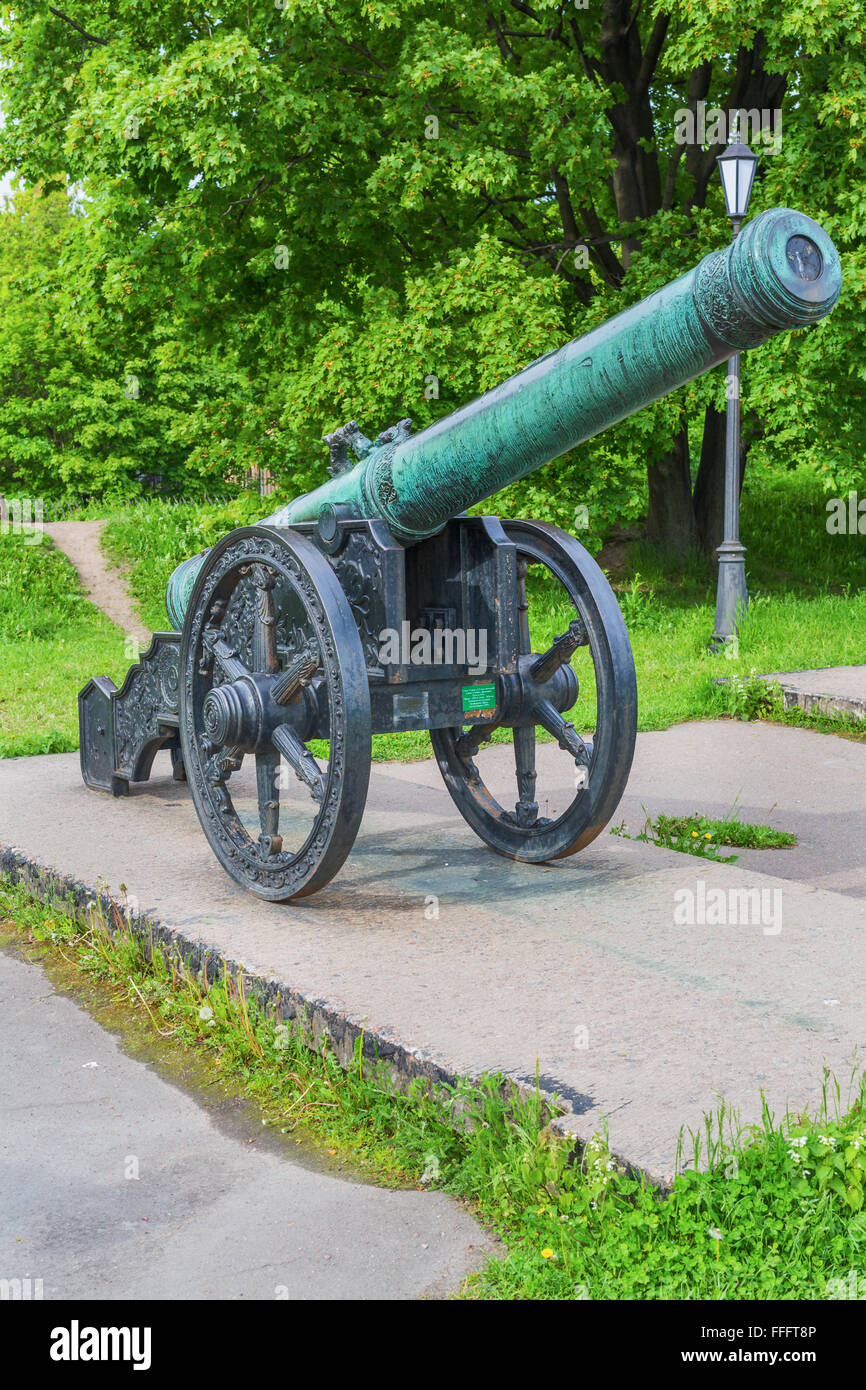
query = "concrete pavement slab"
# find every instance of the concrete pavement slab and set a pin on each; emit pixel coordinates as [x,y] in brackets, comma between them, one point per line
[640,981]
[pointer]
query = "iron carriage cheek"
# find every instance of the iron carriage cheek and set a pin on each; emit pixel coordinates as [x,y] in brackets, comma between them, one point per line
[374,604]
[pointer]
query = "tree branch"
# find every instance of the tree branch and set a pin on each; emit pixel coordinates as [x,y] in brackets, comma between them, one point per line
[261,187]
[590,68]
[91,38]
[652,53]
[502,43]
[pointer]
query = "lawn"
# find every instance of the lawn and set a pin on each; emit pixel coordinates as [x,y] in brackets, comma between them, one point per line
[808,601]
[52,641]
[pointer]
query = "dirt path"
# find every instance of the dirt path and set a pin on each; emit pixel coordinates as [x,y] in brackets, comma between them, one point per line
[104,585]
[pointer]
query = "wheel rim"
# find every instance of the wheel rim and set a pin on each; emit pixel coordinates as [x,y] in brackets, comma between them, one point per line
[607,760]
[271,656]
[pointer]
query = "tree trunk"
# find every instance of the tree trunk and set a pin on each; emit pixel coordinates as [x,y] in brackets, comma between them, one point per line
[671,517]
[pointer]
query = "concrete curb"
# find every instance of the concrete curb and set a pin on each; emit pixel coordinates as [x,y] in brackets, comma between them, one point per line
[824,704]
[794,696]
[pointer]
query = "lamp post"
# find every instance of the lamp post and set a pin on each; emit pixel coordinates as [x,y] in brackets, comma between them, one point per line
[737,172]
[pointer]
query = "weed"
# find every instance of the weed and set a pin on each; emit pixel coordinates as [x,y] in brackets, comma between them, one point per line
[753,697]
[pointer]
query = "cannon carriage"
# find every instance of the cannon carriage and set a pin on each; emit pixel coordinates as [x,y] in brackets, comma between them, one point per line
[376,604]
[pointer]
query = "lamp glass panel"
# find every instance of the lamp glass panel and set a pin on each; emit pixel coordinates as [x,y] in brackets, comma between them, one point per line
[746,173]
[728,171]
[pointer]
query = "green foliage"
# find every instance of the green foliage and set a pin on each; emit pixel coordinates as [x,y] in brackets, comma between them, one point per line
[702,835]
[81,411]
[752,697]
[728,831]
[152,538]
[784,528]
[39,589]
[679,833]
[639,607]
[829,1159]
[268,240]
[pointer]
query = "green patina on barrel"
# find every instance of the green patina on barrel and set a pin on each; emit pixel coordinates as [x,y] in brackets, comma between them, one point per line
[180,587]
[781,272]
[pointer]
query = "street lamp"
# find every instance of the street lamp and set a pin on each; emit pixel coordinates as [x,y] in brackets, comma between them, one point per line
[737,171]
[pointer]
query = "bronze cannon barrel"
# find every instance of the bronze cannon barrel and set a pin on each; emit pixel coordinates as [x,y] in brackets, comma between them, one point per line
[781,272]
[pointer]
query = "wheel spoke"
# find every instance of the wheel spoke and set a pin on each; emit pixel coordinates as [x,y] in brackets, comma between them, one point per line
[222,762]
[264,628]
[226,657]
[524,643]
[560,652]
[298,673]
[301,760]
[526,810]
[565,734]
[469,743]
[268,791]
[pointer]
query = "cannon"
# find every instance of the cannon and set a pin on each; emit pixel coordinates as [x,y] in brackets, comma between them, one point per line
[377,604]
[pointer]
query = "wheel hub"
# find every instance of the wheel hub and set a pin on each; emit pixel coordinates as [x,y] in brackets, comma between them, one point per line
[232,714]
[522,692]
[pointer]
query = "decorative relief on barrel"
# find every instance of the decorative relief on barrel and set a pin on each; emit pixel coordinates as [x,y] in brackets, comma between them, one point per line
[723,311]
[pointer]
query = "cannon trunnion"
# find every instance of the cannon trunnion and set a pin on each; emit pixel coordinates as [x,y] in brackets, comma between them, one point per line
[299,644]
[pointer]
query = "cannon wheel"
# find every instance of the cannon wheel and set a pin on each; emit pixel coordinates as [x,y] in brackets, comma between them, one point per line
[269,652]
[602,764]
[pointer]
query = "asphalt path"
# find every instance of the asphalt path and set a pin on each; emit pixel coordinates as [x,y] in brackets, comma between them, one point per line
[117,1183]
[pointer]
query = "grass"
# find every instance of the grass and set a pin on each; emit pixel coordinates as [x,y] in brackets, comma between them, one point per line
[151,538]
[729,831]
[772,1210]
[701,835]
[52,641]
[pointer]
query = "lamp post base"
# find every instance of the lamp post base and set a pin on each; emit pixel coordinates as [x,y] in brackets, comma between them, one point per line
[731,594]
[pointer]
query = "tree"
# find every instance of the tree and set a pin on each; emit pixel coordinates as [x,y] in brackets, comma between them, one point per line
[83,408]
[271,182]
